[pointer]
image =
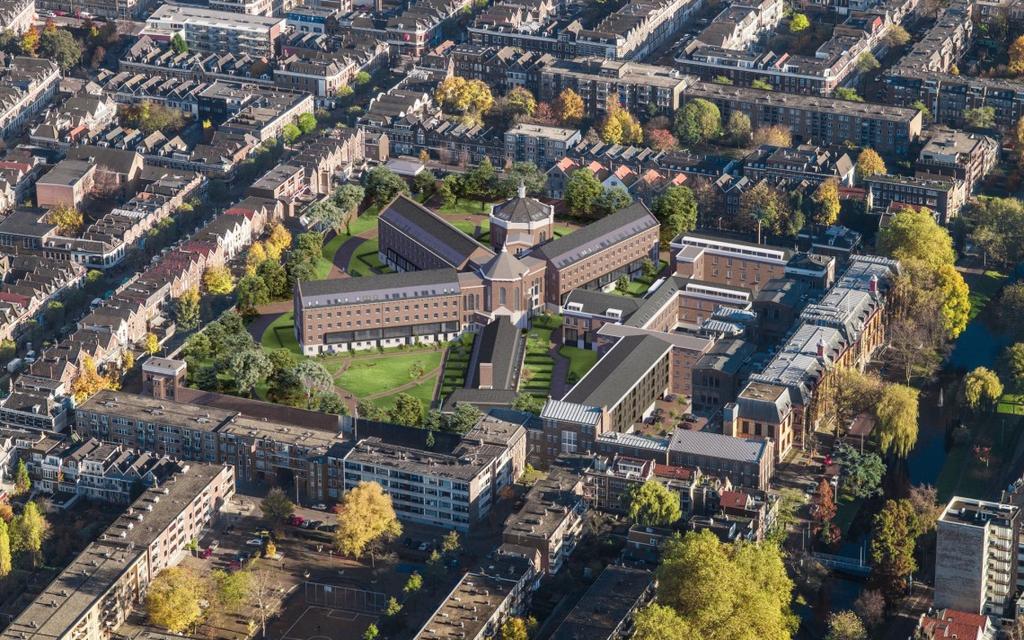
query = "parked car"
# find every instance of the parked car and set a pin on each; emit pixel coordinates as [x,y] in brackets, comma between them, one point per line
[319,507]
[316,524]
[254,542]
[206,553]
[296,521]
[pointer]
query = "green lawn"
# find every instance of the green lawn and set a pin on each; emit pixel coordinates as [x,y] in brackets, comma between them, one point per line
[983,288]
[322,268]
[424,392]
[457,364]
[466,206]
[538,364]
[1011,404]
[365,261]
[281,335]
[361,224]
[580,362]
[470,228]
[846,512]
[367,376]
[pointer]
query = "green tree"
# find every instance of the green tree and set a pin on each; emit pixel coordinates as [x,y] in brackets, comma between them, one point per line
[612,200]
[178,44]
[61,47]
[676,209]
[652,504]
[291,133]
[762,84]
[276,506]
[527,402]
[525,173]
[867,62]
[450,543]
[862,472]
[847,93]
[173,599]
[313,378]
[251,292]
[28,530]
[407,410]
[371,633]
[306,123]
[423,182]
[327,214]
[982,388]
[231,589]
[913,234]
[383,184]
[366,518]
[896,530]
[348,197]
[414,583]
[22,482]
[698,122]
[798,23]
[582,192]
[896,36]
[449,189]
[659,622]
[7,349]
[187,309]
[275,276]
[897,417]
[1014,358]
[926,113]
[481,180]
[762,208]
[980,117]
[845,625]
[726,591]
[394,607]
[249,368]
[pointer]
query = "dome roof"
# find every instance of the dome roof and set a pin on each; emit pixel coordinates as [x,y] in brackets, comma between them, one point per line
[504,266]
[522,209]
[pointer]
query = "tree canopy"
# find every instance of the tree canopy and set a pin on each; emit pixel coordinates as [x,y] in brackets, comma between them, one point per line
[897,417]
[869,163]
[366,518]
[698,122]
[652,504]
[582,191]
[727,591]
[982,388]
[173,599]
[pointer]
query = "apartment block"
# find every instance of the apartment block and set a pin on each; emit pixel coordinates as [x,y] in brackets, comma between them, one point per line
[815,119]
[956,154]
[975,557]
[455,489]
[539,144]
[212,31]
[551,519]
[640,88]
[102,585]
[724,261]
[944,196]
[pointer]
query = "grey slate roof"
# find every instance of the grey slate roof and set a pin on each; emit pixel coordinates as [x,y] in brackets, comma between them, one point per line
[522,210]
[618,371]
[717,445]
[597,236]
[597,302]
[388,286]
[424,226]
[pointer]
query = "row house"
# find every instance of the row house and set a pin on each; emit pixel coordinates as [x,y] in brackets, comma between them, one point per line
[27,86]
[31,283]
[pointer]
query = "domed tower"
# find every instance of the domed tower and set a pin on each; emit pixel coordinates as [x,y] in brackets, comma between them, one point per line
[521,223]
[512,287]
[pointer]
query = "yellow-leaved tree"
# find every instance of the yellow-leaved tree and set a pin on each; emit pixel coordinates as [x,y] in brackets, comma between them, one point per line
[366,518]
[173,599]
[67,218]
[218,280]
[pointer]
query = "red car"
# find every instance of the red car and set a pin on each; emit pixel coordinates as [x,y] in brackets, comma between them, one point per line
[207,552]
[296,521]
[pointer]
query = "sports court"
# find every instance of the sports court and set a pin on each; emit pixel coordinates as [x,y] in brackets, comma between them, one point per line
[320,611]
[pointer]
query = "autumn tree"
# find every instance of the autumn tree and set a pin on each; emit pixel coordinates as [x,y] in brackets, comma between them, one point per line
[870,606]
[738,128]
[845,625]
[798,23]
[897,419]
[826,200]
[582,191]
[869,163]
[698,122]
[67,218]
[726,591]
[218,280]
[775,135]
[867,62]
[279,239]
[187,309]
[1014,360]
[1016,51]
[896,36]
[982,388]
[276,506]
[173,599]
[892,546]
[514,628]
[762,207]
[469,98]
[659,622]
[29,530]
[151,343]
[980,117]
[88,381]
[29,41]
[825,511]
[521,101]
[232,589]
[5,550]
[652,504]
[569,107]
[366,518]
[22,481]
[661,140]
[620,126]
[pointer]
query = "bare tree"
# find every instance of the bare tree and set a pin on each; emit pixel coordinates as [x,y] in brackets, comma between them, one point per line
[265,598]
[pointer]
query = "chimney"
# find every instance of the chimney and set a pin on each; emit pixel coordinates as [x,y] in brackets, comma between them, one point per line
[873,284]
[821,347]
